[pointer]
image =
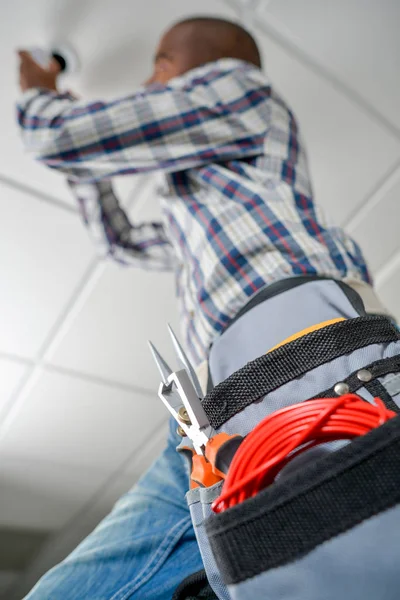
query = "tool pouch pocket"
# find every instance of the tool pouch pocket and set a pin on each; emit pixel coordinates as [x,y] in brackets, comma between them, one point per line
[328,531]
[328,528]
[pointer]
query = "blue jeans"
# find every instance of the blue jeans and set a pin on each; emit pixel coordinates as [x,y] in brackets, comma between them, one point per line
[143,549]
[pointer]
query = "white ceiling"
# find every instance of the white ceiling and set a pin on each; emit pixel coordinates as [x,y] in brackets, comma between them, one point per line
[77,385]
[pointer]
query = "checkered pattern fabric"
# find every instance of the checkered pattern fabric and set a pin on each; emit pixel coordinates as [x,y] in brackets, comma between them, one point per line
[238,212]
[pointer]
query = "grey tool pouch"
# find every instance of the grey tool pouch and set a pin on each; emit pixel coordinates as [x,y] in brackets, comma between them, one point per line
[328,528]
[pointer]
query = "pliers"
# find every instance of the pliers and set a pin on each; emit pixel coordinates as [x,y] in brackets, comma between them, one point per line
[181,393]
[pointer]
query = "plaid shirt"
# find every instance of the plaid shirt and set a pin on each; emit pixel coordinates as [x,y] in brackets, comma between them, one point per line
[237,203]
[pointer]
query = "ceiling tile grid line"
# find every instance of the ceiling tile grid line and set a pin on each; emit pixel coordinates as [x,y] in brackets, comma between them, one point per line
[133,197]
[80,424]
[48,367]
[17,399]
[10,410]
[94,272]
[387,271]
[21,360]
[246,10]
[45,253]
[37,365]
[35,193]
[76,300]
[372,200]
[285,38]
[364,206]
[112,383]
[41,363]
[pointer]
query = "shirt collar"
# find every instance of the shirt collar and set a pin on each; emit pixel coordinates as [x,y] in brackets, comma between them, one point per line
[221,65]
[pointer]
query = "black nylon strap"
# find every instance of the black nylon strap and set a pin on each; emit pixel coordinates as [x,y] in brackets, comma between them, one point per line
[378,391]
[323,499]
[270,371]
[378,368]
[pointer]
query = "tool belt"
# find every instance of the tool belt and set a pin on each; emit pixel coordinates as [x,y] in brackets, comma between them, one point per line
[329,527]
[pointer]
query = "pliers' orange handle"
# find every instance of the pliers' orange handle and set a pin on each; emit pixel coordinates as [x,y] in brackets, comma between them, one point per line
[202,472]
[213,467]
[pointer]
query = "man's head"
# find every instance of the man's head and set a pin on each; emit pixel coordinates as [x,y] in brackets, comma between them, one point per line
[198,40]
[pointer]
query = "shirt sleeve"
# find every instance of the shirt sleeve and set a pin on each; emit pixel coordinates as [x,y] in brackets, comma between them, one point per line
[144,245]
[209,118]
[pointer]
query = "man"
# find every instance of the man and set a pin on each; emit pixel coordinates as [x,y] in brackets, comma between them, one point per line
[238,217]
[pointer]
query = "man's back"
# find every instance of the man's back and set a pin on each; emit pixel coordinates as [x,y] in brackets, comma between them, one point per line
[238,207]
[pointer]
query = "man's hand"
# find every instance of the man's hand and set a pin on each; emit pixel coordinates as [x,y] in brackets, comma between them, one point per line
[32,75]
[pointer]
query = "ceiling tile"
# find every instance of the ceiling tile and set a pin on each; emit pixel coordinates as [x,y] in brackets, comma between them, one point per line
[348,151]
[357,40]
[44,253]
[376,228]
[17,165]
[80,423]
[388,287]
[44,495]
[11,374]
[108,337]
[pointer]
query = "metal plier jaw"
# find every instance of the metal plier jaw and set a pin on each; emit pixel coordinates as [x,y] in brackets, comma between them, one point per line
[181,393]
[180,398]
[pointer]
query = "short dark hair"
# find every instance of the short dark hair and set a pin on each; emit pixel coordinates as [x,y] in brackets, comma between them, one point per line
[243,45]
